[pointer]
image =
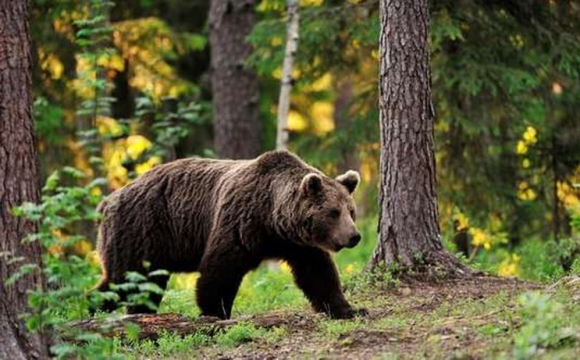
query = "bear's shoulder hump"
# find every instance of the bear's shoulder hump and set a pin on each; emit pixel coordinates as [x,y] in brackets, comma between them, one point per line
[279,160]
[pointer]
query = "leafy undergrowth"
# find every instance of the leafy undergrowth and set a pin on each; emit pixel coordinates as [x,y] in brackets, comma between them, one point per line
[484,317]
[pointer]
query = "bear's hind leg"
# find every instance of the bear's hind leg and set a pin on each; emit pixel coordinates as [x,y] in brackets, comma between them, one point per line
[216,294]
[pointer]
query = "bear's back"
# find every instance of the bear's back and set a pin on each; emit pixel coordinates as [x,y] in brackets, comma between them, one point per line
[167,210]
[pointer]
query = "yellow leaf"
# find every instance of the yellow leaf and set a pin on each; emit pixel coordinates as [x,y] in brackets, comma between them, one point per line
[96,191]
[93,257]
[276,41]
[55,66]
[521,147]
[478,236]
[322,83]
[108,126]
[83,247]
[526,163]
[136,145]
[307,3]
[525,192]
[509,266]
[462,221]
[322,114]
[285,267]
[349,268]
[530,135]
[148,165]
[296,122]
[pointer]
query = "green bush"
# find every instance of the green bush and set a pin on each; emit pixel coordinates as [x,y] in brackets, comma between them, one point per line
[543,326]
[239,334]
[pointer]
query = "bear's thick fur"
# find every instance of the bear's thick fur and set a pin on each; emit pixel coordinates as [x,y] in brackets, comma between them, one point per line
[223,218]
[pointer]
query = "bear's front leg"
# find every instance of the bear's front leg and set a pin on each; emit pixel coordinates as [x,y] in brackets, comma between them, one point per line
[222,271]
[315,273]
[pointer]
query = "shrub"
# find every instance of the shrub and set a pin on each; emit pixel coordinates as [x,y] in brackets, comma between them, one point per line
[542,325]
[239,334]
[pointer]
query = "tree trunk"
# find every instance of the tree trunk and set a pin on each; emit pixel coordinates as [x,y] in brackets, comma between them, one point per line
[287,82]
[349,159]
[235,87]
[409,233]
[18,181]
[556,199]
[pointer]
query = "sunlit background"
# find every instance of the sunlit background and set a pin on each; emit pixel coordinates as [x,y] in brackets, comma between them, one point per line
[506,94]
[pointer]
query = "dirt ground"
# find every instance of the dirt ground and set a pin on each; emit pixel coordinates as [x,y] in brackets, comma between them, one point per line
[453,319]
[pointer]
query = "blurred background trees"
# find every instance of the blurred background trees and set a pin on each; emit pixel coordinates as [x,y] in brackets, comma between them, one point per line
[235,93]
[505,85]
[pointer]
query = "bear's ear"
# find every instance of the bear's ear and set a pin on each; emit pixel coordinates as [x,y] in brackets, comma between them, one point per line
[349,179]
[311,184]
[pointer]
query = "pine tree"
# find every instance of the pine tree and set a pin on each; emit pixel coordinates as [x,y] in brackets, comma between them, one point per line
[18,182]
[409,233]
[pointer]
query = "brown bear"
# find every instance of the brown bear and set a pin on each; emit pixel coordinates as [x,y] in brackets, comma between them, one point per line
[223,218]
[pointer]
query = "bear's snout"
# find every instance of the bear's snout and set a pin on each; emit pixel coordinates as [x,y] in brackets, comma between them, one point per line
[353,241]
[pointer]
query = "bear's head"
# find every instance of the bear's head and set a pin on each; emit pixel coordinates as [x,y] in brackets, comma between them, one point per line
[329,210]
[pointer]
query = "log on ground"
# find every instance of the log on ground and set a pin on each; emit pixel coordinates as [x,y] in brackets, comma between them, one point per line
[152,325]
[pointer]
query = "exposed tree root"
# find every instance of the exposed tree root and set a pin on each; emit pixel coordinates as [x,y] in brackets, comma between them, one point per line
[151,325]
[442,264]
[433,267]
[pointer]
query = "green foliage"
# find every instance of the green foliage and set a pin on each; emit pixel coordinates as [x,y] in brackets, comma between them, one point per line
[68,276]
[93,38]
[169,124]
[266,289]
[48,120]
[172,344]
[239,334]
[365,281]
[335,328]
[499,70]
[542,326]
[139,288]
[168,345]
[541,260]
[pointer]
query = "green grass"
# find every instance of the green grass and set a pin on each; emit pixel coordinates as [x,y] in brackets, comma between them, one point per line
[405,323]
[239,334]
[411,323]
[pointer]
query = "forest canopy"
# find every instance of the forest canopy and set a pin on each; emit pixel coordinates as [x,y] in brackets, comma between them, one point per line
[505,85]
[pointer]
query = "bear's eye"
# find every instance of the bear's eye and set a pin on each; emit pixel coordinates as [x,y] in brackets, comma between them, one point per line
[353,215]
[334,214]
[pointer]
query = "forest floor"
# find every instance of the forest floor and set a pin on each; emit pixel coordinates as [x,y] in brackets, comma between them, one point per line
[483,317]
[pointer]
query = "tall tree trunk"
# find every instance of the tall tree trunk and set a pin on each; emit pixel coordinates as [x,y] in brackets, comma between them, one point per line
[235,87]
[556,199]
[349,159]
[287,82]
[18,180]
[409,233]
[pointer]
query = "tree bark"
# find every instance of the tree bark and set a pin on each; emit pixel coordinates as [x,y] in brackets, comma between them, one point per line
[409,233]
[18,181]
[287,82]
[349,159]
[235,87]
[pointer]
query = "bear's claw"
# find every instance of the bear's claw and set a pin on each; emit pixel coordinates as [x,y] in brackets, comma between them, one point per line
[349,313]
